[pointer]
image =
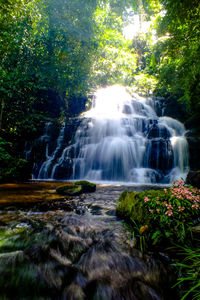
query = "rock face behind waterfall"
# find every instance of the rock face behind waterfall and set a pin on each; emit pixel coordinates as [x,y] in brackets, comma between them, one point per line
[121,139]
[46,150]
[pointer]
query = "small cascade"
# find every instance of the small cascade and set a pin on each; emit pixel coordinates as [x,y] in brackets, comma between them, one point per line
[47,167]
[43,139]
[120,139]
[179,146]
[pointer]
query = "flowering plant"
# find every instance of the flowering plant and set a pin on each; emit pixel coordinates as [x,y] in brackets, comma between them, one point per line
[173,212]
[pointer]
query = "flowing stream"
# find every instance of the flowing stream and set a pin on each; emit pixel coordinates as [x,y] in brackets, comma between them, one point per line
[74,248]
[120,139]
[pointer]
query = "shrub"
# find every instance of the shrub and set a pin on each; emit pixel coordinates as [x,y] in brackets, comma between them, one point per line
[167,214]
[11,168]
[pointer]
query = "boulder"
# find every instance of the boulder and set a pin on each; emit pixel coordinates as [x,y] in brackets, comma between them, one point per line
[74,190]
[87,187]
[130,205]
[193,178]
[79,187]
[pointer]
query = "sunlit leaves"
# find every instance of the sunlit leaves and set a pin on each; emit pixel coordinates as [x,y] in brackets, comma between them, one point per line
[177,51]
[145,82]
[114,63]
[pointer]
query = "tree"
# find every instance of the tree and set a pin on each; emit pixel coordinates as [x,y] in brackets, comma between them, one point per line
[45,45]
[179,61]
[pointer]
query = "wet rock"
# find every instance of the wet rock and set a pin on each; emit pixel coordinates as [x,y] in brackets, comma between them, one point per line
[88,187]
[78,188]
[10,257]
[159,155]
[193,178]
[194,150]
[64,170]
[74,292]
[196,229]
[127,110]
[53,205]
[158,131]
[37,151]
[70,190]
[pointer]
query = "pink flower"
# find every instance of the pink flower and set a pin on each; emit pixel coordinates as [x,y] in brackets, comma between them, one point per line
[169,213]
[146,199]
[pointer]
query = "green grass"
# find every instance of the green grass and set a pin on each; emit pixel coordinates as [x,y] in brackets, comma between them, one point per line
[189,273]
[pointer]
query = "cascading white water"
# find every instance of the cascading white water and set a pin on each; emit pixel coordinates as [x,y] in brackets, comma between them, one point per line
[47,168]
[179,145]
[122,139]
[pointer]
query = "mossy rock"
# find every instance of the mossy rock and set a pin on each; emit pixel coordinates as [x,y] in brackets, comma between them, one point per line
[68,190]
[131,207]
[78,188]
[88,187]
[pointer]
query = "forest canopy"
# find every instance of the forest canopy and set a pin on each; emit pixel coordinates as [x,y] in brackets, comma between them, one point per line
[55,53]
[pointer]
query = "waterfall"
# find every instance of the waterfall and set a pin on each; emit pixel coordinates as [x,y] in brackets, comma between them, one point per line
[47,168]
[121,139]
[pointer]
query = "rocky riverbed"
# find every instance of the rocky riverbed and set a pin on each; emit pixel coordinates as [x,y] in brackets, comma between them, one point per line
[54,247]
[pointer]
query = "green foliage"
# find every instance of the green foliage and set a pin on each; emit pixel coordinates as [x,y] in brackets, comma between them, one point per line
[145,83]
[45,45]
[68,47]
[177,53]
[114,62]
[167,214]
[12,169]
[72,47]
[189,272]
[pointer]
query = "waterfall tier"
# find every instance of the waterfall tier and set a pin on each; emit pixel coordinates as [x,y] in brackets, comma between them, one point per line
[120,139]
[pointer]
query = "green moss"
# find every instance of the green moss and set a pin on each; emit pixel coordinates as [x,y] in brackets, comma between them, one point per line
[131,207]
[88,187]
[69,190]
[79,187]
